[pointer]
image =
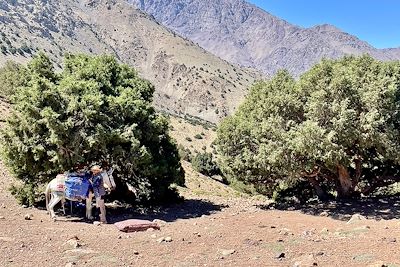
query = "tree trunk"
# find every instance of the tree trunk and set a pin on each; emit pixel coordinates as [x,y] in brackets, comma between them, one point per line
[357,176]
[322,195]
[345,188]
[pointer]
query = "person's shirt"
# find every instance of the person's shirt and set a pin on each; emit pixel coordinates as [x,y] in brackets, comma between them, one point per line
[96,180]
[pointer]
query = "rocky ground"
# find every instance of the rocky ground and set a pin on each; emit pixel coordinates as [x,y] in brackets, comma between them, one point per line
[220,228]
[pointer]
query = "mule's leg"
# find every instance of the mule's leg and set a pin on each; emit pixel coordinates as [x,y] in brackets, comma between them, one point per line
[89,207]
[54,200]
[63,205]
[102,206]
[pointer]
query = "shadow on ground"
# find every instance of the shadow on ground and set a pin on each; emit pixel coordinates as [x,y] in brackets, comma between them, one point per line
[377,208]
[191,208]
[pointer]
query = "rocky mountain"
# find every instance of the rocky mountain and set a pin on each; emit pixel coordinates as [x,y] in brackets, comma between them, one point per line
[188,79]
[244,34]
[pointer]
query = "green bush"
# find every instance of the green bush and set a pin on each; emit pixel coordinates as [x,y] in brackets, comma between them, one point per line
[184,153]
[204,163]
[25,194]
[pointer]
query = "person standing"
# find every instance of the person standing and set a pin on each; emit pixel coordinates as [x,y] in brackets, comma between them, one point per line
[99,191]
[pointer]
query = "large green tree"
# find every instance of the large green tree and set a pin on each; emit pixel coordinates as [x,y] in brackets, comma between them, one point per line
[94,111]
[338,127]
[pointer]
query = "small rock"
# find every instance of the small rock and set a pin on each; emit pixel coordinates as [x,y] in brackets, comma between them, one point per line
[168,239]
[74,242]
[161,239]
[153,236]
[97,223]
[227,252]
[24,206]
[308,232]
[356,218]
[284,231]
[324,214]
[324,231]
[280,255]
[160,222]
[119,237]
[135,252]
[70,264]
[306,261]
[28,216]
[2,217]
[321,253]
[392,240]
[363,228]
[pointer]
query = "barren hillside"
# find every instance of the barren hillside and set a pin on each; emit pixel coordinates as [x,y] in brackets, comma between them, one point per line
[187,78]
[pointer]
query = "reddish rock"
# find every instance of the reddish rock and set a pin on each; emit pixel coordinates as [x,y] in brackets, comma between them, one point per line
[135,225]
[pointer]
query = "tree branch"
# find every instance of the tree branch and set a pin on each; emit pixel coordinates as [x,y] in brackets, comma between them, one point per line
[380,181]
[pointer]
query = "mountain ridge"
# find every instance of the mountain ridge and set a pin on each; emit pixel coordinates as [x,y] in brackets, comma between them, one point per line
[245,34]
[188,79]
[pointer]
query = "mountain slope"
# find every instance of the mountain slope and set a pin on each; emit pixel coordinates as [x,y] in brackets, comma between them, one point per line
[188,79]
[244,34]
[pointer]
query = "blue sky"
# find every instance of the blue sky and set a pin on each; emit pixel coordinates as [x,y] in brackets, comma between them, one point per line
[374,21]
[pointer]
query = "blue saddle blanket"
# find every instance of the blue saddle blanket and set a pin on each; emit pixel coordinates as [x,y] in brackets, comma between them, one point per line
[76,187]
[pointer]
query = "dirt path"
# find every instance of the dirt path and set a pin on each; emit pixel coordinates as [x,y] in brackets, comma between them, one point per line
[205,231]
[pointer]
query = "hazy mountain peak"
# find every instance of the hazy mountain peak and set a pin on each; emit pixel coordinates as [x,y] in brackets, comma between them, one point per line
[241,33]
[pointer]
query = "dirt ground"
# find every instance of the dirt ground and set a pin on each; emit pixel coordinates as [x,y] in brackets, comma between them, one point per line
[219,229]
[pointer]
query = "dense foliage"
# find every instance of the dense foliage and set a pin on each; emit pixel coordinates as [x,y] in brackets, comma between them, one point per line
[95,111]
[337,127]
[12,76]
[204,163]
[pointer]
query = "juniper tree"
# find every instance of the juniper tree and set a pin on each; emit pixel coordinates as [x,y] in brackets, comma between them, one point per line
[337,127]
[96,110]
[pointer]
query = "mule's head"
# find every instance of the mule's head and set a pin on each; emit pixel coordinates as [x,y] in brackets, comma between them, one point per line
[108,179]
